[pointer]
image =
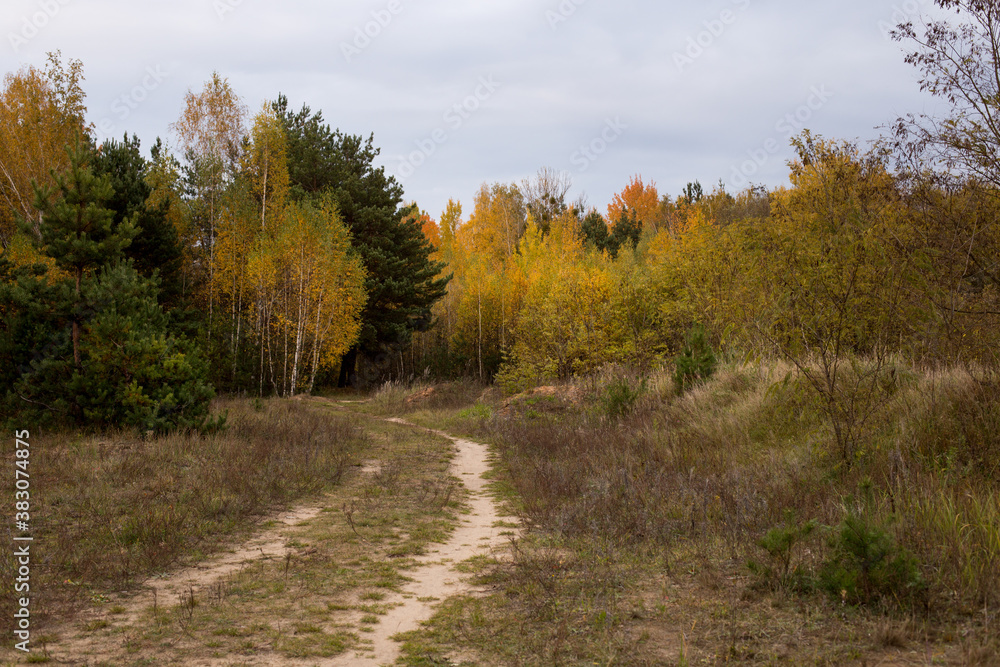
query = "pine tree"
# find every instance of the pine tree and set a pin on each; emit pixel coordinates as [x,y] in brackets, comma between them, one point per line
[77,230]
[402,281]
[155,250]
[117,365]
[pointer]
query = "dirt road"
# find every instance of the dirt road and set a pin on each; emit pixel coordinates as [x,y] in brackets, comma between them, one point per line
[104,637]
[477,534]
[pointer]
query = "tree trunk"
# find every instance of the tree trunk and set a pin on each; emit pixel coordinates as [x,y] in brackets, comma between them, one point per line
[480,349]
[299,335]
[76,323]
[318,339]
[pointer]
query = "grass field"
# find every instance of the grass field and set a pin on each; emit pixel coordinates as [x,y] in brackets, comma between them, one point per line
[721,525]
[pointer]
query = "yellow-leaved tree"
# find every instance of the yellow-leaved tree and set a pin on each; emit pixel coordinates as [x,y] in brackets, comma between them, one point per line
[565,323]
[832,286]
[310,294]
[210,129]
[41,113]
[265,163]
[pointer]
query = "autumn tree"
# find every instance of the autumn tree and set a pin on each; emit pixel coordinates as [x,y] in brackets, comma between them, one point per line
[238,233]
[317,295]
[435,348]
[545,196]
[566,324]
[41,112]
[430,227]
[498,221]
[265,162]
[210,129]
[401,280]
[831,285]
[637,199]
[952,167]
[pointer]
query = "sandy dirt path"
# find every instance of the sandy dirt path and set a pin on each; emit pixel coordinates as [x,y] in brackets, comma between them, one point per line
[479,533]
[172,589]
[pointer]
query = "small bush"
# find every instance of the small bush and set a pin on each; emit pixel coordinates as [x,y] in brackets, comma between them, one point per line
[866,567]
[780,545]
[619,398]
[696,362]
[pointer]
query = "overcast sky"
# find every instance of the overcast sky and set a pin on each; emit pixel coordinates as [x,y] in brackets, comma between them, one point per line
[462,93]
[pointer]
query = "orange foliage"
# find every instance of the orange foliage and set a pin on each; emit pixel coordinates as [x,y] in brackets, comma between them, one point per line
[638,197]
[428,226]
[431,230]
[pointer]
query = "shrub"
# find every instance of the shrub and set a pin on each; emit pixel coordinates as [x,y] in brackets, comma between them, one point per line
[619,398]
[866,567]
[780,544]
[696,362]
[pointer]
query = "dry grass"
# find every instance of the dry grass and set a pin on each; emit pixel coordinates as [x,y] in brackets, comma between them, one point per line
[110,511]
[642,511]
[394,397]
[341,572]
[644,520]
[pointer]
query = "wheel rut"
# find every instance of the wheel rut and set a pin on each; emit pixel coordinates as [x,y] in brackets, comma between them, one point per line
[481,530]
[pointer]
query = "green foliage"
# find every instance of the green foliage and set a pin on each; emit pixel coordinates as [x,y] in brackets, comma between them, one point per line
[479,412]
[692,193]
[780,545]
[92,347]
[132,372]
[619,398]
[696,362]
[402,282]
[135,373]
[594,231]
[867,567]
[77,230]
[625,231]
[155,250]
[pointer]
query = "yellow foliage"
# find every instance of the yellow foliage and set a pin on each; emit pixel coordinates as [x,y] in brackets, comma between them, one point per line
[309,290]
[265,162]
[41,113]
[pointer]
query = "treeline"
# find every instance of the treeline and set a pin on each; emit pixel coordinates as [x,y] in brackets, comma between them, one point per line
[868,256]
[850,259]
[267,255]
[270,255]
